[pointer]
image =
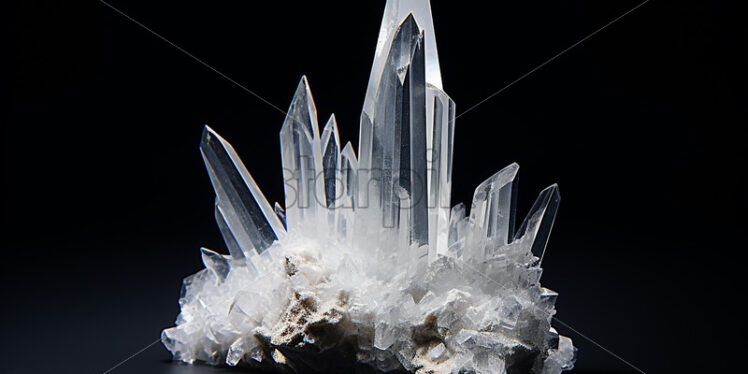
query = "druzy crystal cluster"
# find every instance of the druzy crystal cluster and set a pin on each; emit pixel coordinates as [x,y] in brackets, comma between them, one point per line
[366,266]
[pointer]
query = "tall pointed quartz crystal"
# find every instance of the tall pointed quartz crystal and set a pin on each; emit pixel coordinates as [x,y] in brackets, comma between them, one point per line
[537,226]
[393,149]
[395,121]
[302,160]
[244,208]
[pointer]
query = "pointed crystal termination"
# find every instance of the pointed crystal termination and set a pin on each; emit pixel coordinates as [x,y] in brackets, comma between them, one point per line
[345,203]
[302,160]
[349,176]
[493,210]
[537,226]
[394,13]
[331,161]
[393,149]
[244,209]
[439,125]
[218,264]
[280,212]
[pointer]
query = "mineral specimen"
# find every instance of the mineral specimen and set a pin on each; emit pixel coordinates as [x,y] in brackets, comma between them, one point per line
[367,266]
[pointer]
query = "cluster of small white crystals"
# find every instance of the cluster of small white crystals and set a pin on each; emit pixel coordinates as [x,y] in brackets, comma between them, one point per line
[367,264]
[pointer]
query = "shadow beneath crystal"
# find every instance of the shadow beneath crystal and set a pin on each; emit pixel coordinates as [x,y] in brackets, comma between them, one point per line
[176,367]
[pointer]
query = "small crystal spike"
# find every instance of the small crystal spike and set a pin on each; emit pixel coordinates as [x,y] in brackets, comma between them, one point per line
[228,236]
[280,212]
[231,242]
[331,161]
[243,206]
[345,204]
[493,209]
[349,173]
[302,160]
[537,226]
[216,262]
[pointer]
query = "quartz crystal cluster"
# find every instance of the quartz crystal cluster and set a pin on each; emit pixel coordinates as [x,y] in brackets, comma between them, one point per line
[366,266]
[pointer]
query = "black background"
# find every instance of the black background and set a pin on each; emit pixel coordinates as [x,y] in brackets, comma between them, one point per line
[643,126]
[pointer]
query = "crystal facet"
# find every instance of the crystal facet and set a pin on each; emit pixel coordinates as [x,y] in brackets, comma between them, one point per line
[366,262]
[493,209]
[331,162]
[536,228]
[244,208]
[302,159]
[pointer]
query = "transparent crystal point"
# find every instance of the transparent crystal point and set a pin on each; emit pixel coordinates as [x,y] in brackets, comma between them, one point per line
[331,161]
[405,98]
[537,226]
[394,14]
[216,262]
[345,204]
[244,209]
[302,160]
[392,158]
[493,210]
[349,176]
[280,212]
